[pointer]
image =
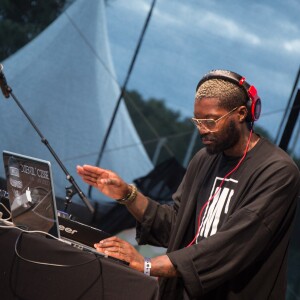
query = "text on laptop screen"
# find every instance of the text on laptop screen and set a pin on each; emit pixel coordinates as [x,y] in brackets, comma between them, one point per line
[31,193]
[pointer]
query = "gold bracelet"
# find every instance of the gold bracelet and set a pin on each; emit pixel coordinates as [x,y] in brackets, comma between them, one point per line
[130,197]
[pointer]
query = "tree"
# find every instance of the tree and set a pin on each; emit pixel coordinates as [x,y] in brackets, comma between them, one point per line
[22,20]
[156,123]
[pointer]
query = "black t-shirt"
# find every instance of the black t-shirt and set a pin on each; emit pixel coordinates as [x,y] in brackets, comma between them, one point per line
[214,197]
[244,255]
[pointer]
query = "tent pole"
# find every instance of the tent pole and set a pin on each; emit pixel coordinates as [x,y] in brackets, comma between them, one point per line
[123,90]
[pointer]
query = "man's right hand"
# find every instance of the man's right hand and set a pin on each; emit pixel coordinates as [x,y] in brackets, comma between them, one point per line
[106,181]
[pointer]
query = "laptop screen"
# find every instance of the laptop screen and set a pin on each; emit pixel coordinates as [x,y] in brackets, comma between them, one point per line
[31,193]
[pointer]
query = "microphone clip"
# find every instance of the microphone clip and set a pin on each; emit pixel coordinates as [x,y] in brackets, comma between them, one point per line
[6,90]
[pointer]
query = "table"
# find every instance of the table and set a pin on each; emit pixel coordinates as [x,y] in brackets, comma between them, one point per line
[75,274]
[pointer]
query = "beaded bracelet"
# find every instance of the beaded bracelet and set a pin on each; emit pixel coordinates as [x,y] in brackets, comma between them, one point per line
[130,197]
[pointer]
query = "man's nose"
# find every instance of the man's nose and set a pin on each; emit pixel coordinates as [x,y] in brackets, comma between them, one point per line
[203,130]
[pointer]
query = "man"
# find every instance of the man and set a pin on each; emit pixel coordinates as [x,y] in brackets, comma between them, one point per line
[228,231]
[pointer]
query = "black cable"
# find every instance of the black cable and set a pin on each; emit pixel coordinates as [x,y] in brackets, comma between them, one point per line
[280,128]
[97,258]
[38,262]
[9,213]
[123,89]
[89,45]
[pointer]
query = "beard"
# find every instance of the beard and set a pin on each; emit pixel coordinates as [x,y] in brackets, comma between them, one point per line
[222,140]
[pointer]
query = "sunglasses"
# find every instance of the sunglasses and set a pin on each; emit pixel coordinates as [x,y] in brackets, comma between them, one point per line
[210,124]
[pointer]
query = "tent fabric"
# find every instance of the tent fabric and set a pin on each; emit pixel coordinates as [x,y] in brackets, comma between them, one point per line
[65,80]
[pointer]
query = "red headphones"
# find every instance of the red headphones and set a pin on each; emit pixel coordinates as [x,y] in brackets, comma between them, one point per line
[254,108]
[253,104]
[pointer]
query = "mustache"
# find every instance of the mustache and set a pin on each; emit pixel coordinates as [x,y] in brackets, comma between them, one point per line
[207,137]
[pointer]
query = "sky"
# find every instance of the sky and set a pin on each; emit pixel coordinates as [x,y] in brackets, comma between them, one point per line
[186,39]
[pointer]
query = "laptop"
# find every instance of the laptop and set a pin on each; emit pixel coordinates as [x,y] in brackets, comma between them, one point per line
[33,205]
[30,192]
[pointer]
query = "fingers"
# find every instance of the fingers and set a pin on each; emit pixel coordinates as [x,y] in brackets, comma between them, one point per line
[113,246]
[90,171]
[120,249]
[110,243]
[95,174]
[106,181]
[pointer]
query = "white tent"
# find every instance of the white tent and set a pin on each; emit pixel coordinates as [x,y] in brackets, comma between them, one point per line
[65,80]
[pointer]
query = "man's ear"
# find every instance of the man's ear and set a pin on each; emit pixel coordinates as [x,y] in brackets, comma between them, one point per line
[242,113]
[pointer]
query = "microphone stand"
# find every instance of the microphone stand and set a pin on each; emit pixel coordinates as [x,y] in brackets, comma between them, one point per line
[74,188]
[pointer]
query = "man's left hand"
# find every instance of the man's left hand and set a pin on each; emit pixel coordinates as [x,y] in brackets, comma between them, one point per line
[118,248]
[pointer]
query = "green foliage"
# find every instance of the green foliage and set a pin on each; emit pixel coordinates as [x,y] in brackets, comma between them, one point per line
[22,20]
[154,121]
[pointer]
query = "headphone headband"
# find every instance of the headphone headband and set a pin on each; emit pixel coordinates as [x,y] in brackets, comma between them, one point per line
[253,103]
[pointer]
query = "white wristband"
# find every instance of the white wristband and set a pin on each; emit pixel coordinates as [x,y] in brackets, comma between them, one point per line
[147,266]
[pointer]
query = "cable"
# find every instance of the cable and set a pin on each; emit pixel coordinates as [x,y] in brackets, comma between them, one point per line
[147,122]
[97,258]
[39,262]
[84,38]
[90,46]
[219,187]
[123,89]
[288,106]
[109,150]
[1,214]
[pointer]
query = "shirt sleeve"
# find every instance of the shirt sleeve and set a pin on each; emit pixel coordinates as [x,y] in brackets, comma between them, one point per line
[156,226]
[158,220]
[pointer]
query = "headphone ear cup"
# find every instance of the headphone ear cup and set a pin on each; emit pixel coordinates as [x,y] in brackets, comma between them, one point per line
[249,117]
[254,109]
[253,104]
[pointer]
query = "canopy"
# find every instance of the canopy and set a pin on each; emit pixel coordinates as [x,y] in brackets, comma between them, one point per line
[66,82]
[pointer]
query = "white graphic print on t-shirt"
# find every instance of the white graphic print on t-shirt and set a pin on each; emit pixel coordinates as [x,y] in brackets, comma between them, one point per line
[217,206]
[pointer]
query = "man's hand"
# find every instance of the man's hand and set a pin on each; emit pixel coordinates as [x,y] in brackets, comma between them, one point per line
[106,181]
[115,247]
[120,249]
[111,185]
